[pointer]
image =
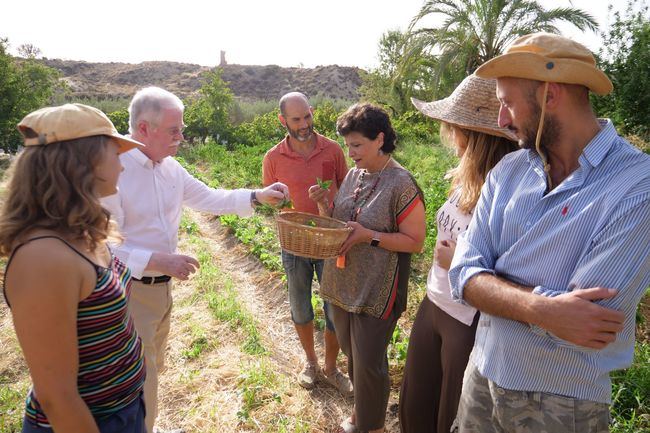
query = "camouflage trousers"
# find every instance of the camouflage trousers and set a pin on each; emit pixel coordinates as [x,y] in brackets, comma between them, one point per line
[487,408]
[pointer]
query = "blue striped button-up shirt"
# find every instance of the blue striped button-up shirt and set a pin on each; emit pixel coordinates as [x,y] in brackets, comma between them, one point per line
[592,230]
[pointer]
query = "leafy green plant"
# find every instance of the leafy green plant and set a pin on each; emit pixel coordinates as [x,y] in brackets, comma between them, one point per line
[264,131]
[12,400]
[197,347]
[324,184]
[631,394]
[317,306]
[257,384]
[398,346]
[120,120]
[286,203]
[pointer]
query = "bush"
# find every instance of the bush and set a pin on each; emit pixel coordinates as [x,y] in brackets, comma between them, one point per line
[247,110]
[265,130]
[106,104]
[412,126]
[626,60]
[25,85]
[121,120]
[325,116]
[208,115]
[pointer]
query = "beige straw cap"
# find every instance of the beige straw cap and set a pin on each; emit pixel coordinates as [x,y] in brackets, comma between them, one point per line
[68,122]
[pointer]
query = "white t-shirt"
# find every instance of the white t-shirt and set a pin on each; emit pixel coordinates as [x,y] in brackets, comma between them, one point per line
[451,222]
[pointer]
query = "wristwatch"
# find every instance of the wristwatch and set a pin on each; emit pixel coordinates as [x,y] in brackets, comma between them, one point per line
[375,239]
[254,201]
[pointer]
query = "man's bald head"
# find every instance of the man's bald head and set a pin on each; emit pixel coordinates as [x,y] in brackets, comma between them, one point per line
[292,98]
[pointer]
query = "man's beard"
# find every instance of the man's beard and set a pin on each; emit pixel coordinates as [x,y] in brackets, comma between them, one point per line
[550,130]
[302,138]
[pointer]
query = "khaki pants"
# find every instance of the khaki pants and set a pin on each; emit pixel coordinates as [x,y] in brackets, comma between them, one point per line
[485,407]
[150,306]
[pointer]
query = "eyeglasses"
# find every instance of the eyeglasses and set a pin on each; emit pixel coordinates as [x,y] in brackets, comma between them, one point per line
[175,131]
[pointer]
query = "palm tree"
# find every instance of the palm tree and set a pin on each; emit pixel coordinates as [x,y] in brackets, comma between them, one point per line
[474,31]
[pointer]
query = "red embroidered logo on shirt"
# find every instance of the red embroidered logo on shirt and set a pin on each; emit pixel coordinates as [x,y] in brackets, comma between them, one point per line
[565,210]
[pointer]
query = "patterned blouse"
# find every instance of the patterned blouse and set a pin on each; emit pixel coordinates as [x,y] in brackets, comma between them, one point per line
[374,280]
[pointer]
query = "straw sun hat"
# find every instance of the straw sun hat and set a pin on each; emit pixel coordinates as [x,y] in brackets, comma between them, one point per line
[472,105]
[550,58]
[68,122]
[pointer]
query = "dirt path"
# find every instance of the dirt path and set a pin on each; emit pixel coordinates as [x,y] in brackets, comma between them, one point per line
[206,393]
[264,296]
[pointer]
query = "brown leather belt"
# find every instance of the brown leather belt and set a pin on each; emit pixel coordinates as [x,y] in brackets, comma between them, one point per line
[154,280]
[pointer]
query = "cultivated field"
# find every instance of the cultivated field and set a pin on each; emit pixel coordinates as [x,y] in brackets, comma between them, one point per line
[233,352]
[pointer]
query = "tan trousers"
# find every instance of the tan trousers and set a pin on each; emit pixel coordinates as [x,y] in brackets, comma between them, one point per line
[150,306]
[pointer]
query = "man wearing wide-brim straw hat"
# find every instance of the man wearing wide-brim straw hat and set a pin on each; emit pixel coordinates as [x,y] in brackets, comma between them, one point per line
[556,257]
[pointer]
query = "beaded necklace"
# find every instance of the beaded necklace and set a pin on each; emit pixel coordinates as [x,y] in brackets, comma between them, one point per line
[357,191]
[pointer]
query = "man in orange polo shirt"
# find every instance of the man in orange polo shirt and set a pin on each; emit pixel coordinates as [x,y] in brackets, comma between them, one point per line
[297,161]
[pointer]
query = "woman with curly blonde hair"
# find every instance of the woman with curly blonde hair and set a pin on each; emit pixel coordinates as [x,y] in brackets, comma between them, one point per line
[67,292]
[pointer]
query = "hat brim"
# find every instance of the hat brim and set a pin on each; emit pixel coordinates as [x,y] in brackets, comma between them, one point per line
[125,143]
[533,66]
[442,110]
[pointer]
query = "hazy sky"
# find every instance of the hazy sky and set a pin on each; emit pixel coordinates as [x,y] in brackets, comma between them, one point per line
[286,33]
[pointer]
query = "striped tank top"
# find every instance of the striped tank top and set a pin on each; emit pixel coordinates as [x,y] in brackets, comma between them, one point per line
[111,359]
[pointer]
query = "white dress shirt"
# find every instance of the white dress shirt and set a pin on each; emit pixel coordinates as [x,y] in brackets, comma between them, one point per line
[149,203]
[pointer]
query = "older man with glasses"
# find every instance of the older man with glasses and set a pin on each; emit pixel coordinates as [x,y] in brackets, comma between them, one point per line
[152,192]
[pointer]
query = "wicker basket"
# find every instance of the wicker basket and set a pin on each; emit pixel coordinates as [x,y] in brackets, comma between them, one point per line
[322,241]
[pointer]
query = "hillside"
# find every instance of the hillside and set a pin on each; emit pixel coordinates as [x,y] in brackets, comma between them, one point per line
[116,80]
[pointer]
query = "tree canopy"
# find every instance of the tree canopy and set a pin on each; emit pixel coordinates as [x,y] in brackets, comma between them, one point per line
[429,61]
[625,58]
[25,85]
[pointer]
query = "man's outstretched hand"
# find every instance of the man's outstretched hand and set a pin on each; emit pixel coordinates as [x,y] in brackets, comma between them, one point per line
[273,194]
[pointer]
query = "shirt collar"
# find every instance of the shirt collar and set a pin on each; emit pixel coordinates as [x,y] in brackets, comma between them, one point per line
[596,149]
[599,146]
[285,149]
[140,158]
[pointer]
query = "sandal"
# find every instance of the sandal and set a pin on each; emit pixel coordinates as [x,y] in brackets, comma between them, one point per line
[346,426]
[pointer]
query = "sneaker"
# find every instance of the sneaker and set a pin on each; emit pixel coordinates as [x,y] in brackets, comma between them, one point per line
[341,382]
[307,377]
